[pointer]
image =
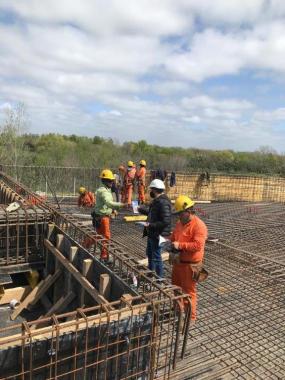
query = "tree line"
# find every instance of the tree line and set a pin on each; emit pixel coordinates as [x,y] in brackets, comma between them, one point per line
[81,151]
[20,148]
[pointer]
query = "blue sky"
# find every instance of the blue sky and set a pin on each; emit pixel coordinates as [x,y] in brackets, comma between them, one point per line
[189,73]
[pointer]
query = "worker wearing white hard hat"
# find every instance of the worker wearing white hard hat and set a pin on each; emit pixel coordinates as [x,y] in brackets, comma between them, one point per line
[158,223]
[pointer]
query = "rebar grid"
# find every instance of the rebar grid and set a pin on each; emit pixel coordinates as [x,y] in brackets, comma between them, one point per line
[165,324]
[21,232]
[134,340]
[240,326]
[122,263]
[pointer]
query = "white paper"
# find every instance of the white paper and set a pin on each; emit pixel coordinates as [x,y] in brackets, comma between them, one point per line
[162,240]
[13,207]
[135,206]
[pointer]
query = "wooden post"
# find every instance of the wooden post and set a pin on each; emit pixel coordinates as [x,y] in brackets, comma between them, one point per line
[58,290]
[72,254]
[75,273]
[105,285]
[87,272]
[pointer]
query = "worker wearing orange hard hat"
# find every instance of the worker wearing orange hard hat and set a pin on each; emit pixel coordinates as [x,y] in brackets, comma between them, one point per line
[129,182]
[103,209]
[86,198]
[188,241]
[140,176]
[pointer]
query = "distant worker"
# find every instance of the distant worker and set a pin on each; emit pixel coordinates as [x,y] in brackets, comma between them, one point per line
[129,182]
[140,176]
[116,187]
[103,209]
[189,237]
[158,223]
[86,198]
[122,173]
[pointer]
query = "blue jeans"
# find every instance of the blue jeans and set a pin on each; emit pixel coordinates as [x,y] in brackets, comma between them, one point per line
[153,252]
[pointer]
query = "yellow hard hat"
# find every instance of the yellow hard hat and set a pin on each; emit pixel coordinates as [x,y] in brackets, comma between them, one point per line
[81,190]
[130,163]
[142,162]
[107,174]
[182,203]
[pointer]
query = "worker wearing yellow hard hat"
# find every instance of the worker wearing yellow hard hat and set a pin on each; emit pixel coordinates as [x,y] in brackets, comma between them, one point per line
[140,177]
[188,241]
[129,182]
[103,209]
[86,198]
[182,203]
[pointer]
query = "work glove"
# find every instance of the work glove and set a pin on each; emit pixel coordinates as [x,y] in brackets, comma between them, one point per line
[174,258]
[169,247]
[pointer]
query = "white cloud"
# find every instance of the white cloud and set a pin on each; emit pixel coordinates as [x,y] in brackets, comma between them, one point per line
[213,52]
[137,69]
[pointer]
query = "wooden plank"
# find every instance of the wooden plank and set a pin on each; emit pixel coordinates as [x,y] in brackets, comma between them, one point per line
[5,279]
[57,291]
[86,272]
[46,302]
[105,285]
[135,218]
[164,256]
[18,293]
[127,298]
[73,326]
[26,301]
[46,284]
[75,273]
[59,306]
[72,255]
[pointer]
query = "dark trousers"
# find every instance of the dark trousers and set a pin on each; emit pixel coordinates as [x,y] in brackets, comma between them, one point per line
[153,252]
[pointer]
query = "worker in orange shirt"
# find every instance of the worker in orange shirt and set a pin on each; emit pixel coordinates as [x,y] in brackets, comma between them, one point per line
[86,198]
[140,176]
[129,182]
[188,241]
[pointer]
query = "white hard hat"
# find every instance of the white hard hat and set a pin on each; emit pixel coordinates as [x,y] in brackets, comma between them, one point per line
[157,184]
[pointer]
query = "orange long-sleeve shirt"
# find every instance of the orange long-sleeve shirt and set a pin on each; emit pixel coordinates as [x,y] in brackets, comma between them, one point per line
[140,175]
[191,237]
[130,176]
[86,200]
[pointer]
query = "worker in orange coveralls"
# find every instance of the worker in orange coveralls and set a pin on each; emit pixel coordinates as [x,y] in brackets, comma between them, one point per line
[103,209]
[188,240]
[129,182]
[39,199]
[140,176]
[86,198]
[122,173]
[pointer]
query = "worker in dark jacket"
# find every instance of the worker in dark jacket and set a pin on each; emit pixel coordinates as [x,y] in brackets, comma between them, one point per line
[158,223]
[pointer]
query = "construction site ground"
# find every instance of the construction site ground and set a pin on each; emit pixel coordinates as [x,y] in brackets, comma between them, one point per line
[240,331]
